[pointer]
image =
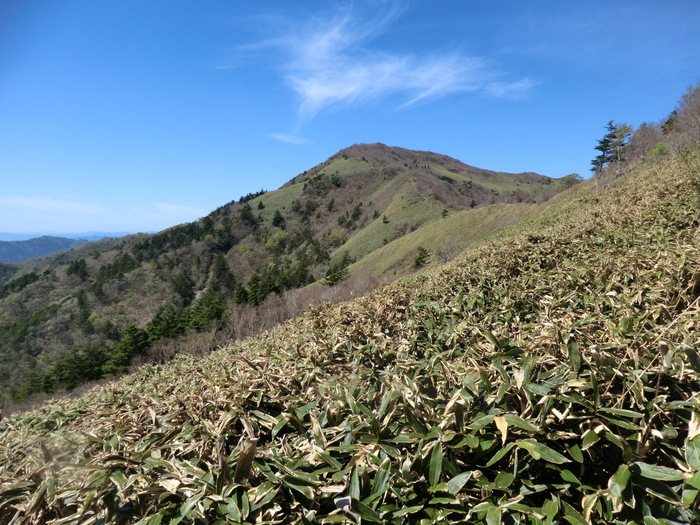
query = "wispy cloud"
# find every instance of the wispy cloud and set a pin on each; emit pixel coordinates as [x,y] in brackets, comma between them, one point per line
[47,204]
[331,61]
[290,139]
[510,89]
[175,211]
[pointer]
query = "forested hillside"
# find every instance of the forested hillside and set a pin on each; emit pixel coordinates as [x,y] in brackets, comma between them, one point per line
[95,311]
[550,375]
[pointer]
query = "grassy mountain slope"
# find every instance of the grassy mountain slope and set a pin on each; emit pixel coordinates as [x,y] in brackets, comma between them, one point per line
[444,239]
[93,311]
[548,377]
[18,251]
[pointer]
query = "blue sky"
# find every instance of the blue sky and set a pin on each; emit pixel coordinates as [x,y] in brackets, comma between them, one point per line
[125,115]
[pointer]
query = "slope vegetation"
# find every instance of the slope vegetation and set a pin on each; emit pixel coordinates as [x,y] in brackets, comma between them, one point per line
[97,310]
[549,377]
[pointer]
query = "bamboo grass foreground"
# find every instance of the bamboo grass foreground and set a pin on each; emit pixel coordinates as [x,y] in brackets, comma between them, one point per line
[549,377]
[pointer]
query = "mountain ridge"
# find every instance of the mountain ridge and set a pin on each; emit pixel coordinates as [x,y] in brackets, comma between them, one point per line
[19,251]
[117,298]
[87,236]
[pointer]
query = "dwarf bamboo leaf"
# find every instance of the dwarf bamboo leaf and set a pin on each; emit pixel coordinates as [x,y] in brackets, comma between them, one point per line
[590,438]
[503,480]
[435,470]
[540,451]
[657,472]
[380,483]
[365,512]
[456,483]
[519,422]
[574,356]
[571,515]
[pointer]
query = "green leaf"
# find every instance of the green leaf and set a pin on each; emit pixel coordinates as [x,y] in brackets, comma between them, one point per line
[658,473]
[693,359]
[619,481]
[615,440]
[191,502]
[493,516]
[620,423]
[539,390]
[539,451]
[442,500]
[575,452]
[279,426]
[381,479]
[499,455]
[650,520]
[366,513]
[621,412]
[406,510]
[689,496]
[588,503]
[303,489]
[574,356]
[354,488]
[435,470]
[302,478]
[119,479]
[503,480]
[480,423]
[484,506]
[551,508]
[572,515]
[693,481]
[418,427]
[519,422]
[658,489]
[405,438]
[440,487]
[456,483]
[590,438]
[569,477]
[330,460]
[492,339]
[692,452]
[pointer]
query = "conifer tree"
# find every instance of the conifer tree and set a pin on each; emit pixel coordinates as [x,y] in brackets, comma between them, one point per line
[612,146]
[278,220]
[338,271]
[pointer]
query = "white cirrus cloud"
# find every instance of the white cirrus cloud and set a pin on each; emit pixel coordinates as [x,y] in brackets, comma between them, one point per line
[329,61]
[290,139]
[48,204]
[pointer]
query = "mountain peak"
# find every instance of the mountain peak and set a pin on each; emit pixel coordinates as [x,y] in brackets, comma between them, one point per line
[382,154]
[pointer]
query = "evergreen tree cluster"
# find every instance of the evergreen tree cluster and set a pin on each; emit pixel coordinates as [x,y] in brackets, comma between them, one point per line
[19,283]
[276,277]
[95,362]
[338,270]
[349,220]
[78,268]
[612,146]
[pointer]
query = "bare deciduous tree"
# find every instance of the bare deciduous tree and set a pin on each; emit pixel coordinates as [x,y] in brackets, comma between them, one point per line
[645,140]
[684,124]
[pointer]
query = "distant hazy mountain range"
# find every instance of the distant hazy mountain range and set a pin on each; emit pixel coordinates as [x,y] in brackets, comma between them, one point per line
[15,248]
[87,236]
[18,251]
